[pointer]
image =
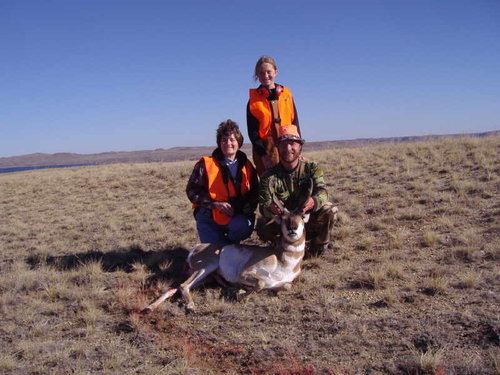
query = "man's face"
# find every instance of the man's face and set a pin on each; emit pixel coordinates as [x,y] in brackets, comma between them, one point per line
[289,150]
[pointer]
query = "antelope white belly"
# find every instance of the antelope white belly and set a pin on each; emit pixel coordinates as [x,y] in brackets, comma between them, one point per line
[278,277]
[231,262]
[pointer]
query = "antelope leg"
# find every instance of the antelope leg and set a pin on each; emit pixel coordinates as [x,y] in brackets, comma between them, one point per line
[194,280]
[169,293]
[253,282]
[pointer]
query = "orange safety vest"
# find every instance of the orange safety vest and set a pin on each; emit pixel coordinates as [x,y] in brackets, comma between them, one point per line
[221,192]
[261,109]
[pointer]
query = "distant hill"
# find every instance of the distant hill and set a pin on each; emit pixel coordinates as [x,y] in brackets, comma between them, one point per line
[193,153]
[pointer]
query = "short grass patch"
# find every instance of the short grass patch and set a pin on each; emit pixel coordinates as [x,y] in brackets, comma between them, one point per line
[409,287]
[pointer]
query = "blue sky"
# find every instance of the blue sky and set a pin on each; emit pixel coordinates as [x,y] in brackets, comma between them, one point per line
[117,75]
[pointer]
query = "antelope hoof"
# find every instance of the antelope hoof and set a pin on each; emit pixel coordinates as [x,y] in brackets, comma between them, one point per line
[146,311]
[241,294]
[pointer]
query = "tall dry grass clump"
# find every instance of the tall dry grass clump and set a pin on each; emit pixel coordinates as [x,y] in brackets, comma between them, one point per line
[410,287]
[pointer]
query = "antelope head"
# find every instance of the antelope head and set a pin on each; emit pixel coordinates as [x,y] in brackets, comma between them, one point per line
[293,222]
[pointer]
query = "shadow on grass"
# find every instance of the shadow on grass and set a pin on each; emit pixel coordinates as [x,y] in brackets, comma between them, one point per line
[167,264]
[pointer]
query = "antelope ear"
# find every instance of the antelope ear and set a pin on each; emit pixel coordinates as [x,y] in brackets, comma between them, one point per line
[306,217]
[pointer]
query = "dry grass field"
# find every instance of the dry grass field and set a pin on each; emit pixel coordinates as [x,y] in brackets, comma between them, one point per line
[412,285]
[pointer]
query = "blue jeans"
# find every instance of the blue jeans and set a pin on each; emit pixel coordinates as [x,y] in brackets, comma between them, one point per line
[239,228]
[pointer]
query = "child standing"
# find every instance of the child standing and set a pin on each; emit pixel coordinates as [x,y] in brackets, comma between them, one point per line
[270,106]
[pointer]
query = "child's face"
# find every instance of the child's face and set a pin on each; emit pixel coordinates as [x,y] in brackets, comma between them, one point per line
[266,74]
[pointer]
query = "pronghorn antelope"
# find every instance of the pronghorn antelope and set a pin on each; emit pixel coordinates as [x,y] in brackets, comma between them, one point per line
[252,267]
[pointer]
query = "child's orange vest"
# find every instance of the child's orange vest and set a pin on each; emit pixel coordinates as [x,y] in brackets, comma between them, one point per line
[261,110]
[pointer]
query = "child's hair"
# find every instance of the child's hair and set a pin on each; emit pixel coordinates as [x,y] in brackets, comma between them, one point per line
[226,128]
[262,60]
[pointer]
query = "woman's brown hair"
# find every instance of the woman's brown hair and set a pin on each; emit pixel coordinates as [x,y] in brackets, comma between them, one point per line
[226,128]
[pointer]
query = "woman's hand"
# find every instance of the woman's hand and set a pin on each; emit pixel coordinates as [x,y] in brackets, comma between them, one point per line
[224,207]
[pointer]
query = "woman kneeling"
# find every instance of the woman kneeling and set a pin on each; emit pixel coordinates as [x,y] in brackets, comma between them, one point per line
[224,190]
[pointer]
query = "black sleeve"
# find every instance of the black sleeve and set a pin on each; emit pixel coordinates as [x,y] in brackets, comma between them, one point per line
[253,132]
[254,190]
[197,186]
[296,118]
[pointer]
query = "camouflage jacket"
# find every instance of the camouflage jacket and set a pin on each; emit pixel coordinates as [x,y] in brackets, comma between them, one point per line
[288,186]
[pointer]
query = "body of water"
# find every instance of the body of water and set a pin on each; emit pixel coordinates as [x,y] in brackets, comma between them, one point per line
[20,169]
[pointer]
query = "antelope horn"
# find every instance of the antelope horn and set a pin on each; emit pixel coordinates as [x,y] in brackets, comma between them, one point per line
[278,203]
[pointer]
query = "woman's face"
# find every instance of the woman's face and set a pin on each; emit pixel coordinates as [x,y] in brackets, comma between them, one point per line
[229,145]
[266,75]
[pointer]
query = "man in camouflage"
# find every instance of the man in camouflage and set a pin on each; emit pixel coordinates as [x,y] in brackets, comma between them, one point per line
[286,181]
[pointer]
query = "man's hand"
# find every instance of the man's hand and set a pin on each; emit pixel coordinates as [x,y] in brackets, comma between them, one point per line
[273,207]
[309,205]
[224,207]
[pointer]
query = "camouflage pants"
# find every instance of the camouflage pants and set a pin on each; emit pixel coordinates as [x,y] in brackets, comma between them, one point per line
[318,229]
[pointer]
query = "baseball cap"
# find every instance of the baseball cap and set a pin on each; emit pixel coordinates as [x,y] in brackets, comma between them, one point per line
[289,132]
